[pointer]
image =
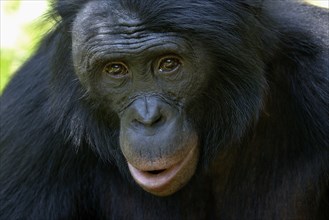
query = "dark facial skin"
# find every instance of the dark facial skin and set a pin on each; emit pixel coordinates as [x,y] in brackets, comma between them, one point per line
[147,78]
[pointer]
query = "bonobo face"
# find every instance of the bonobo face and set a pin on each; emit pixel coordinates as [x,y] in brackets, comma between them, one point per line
[148,79]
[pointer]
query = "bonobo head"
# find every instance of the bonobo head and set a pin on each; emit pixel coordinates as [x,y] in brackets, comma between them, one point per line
[183,81]
[147,78]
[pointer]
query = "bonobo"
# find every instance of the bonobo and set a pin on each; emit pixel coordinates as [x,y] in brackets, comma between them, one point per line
[166,109]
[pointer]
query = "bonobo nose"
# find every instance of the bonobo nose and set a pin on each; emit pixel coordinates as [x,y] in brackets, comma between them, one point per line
[148,112]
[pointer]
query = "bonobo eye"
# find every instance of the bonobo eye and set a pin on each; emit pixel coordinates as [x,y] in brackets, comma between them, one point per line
[169,64]
[116,70]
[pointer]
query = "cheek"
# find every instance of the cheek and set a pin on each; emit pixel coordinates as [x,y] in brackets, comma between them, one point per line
[184,88]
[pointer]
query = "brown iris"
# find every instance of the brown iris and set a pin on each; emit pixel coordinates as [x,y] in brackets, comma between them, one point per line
[169,64]
[116,70]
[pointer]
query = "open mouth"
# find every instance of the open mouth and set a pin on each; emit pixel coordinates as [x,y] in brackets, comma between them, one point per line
[156,171]
[165,181]
[154,180]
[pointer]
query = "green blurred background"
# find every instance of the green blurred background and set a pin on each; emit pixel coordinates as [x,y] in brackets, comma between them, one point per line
[23,23]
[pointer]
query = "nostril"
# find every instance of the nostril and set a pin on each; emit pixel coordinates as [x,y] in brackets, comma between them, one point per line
[149,121]
[157,120]
[137,123]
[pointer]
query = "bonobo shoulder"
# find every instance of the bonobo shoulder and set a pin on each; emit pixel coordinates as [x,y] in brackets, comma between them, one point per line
[296,15]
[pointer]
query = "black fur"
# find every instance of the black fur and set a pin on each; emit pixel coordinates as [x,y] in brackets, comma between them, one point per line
[262,118]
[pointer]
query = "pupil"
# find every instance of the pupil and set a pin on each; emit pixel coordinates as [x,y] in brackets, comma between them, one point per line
[169,64]
[116,69]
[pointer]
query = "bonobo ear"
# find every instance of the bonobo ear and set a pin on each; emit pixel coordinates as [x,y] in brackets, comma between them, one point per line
[68,8]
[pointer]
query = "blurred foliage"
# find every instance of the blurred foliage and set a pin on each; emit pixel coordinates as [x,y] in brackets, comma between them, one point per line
[22,26]
[30,31]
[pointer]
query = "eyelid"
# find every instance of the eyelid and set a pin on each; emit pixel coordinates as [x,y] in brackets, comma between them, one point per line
[169,56]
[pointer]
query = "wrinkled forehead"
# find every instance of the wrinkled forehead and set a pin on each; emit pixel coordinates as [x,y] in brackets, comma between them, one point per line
[101,15]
